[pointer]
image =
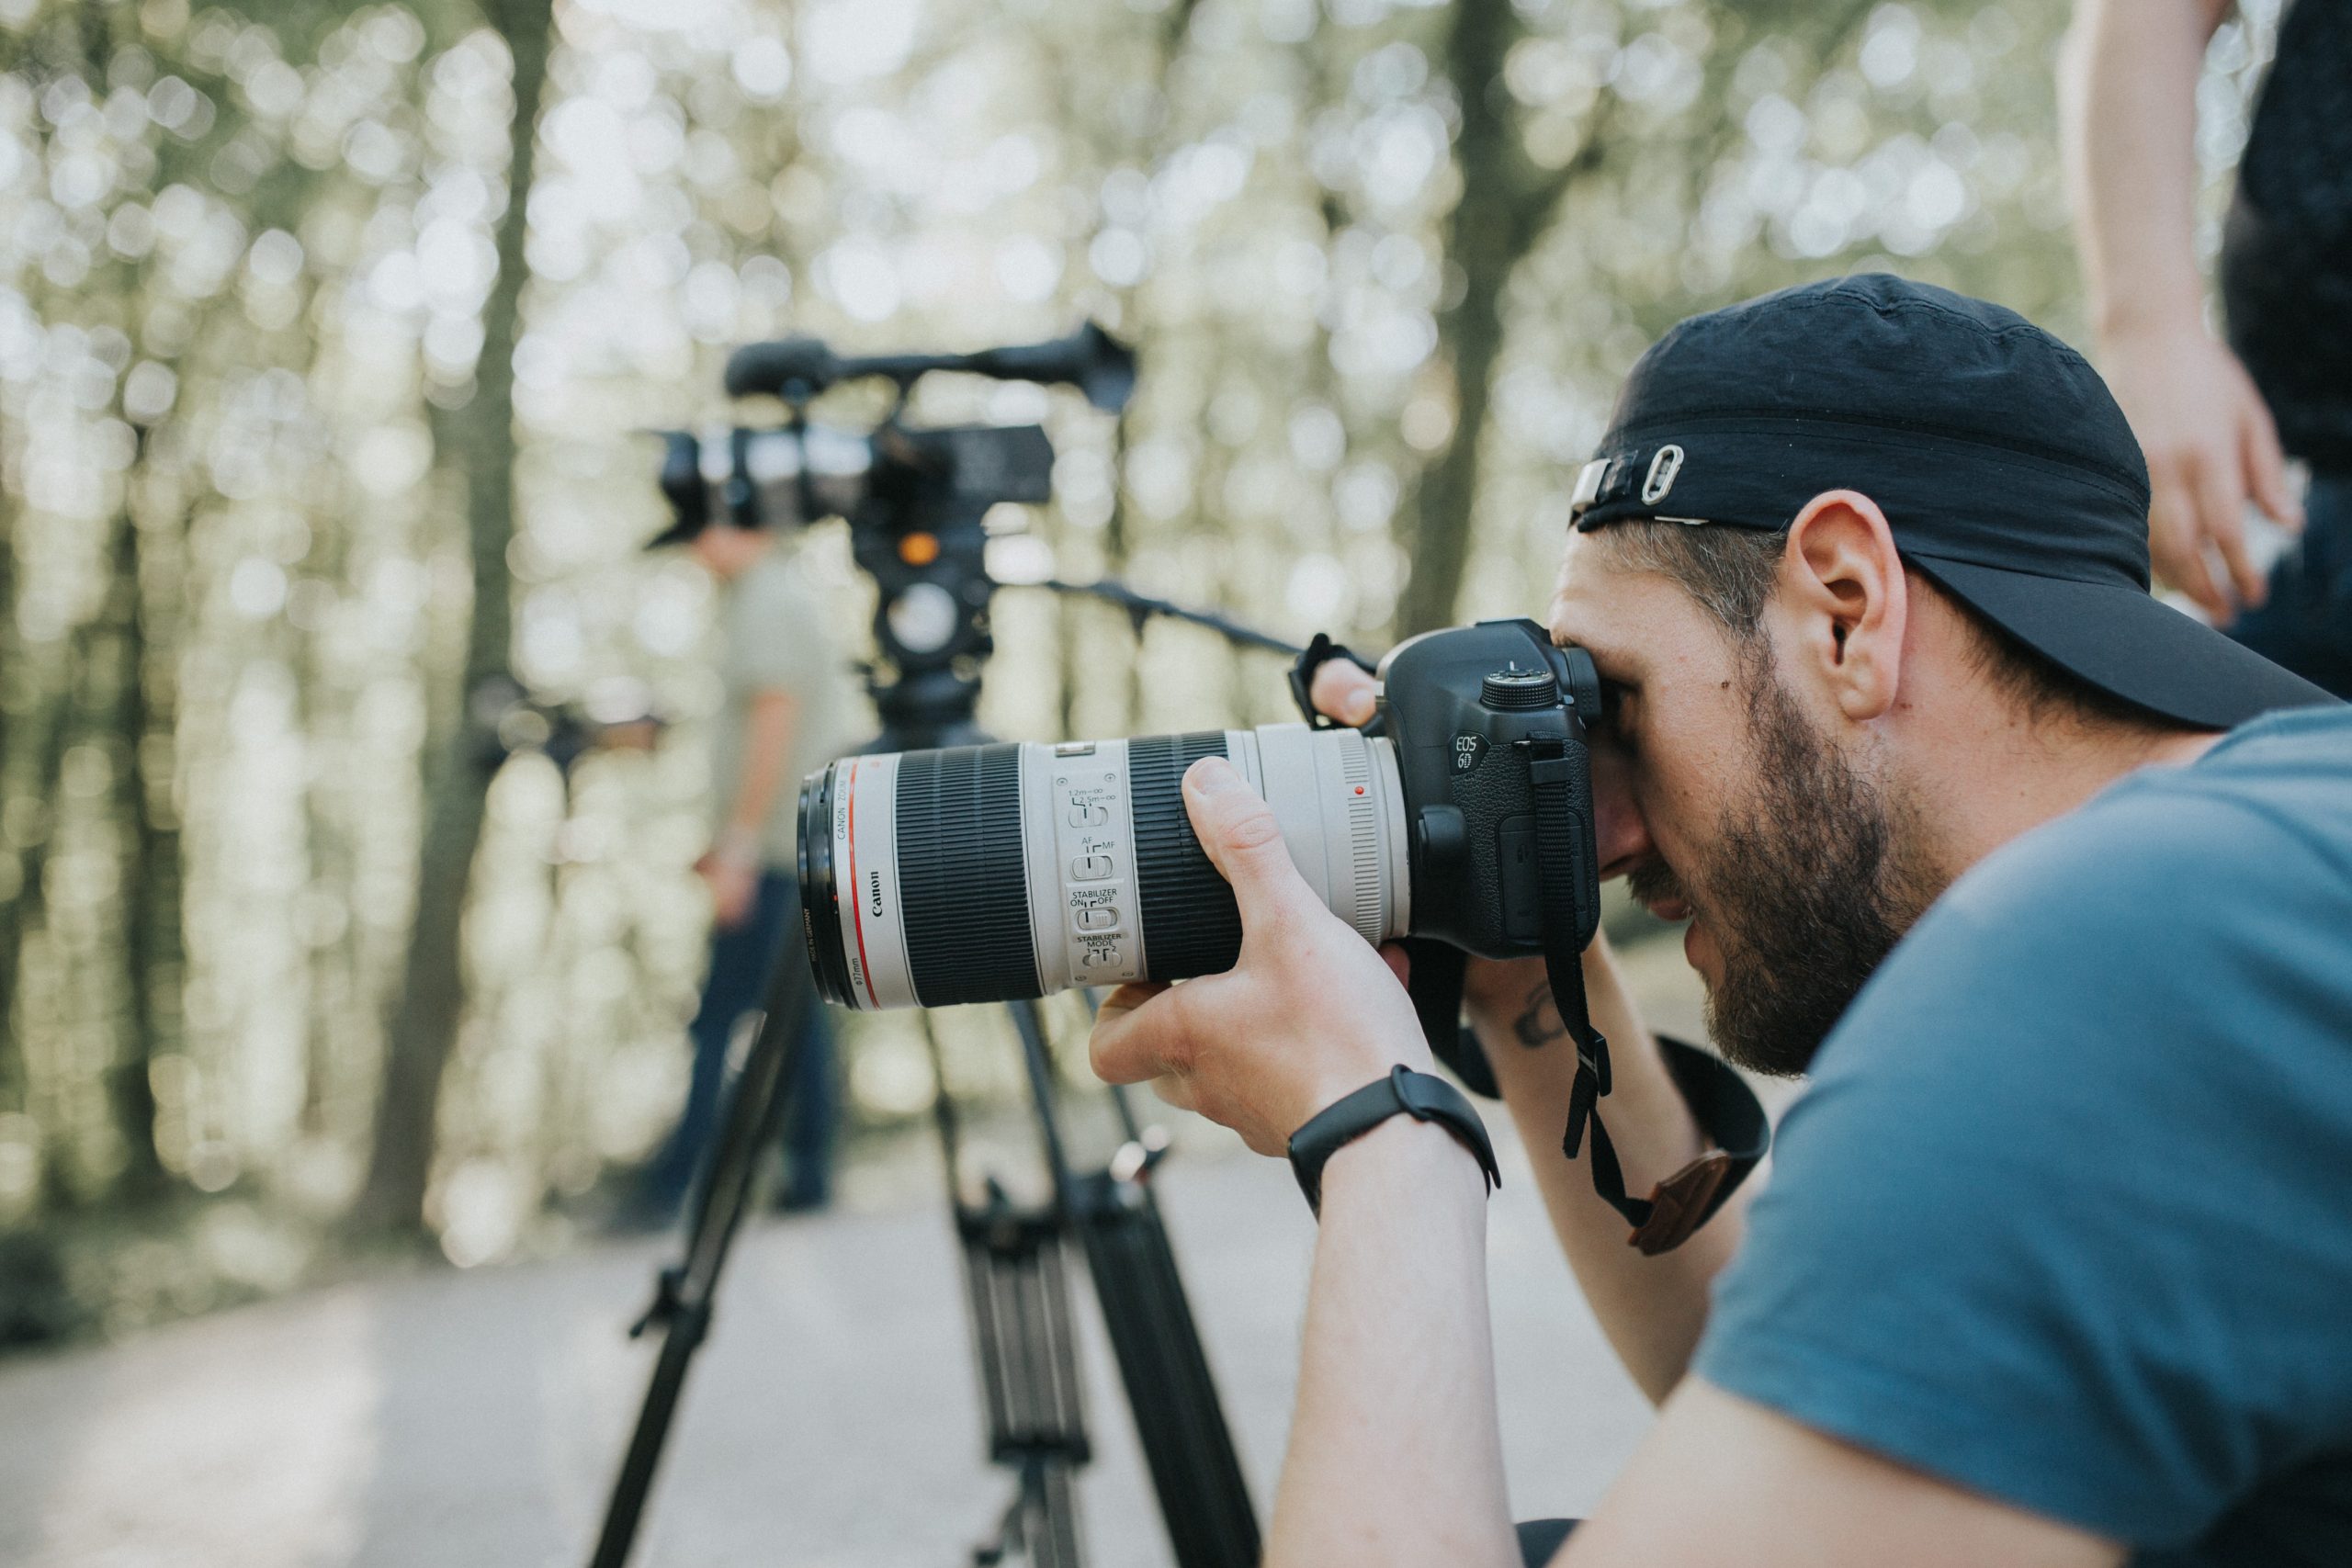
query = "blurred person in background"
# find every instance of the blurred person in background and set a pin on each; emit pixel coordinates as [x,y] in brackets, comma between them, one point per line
[784,712]
[2218,422]
[2019,864]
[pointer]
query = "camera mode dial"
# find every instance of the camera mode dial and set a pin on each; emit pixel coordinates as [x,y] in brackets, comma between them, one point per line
[1513,690]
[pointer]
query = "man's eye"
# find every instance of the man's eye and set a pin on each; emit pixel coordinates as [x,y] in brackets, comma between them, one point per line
[1617,715]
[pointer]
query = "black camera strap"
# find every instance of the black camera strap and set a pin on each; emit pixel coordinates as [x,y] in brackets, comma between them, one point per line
[1719,1100]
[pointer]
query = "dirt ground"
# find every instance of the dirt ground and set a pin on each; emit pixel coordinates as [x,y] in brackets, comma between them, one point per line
[474,1419]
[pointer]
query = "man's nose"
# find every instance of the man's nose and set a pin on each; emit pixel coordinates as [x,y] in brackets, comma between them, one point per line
[1621,837]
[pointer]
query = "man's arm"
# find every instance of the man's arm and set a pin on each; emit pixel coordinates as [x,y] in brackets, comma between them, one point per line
[732,867]
[2128,116]
[1722,1481]
[768,733]
[1395,1453]
[1651,1308]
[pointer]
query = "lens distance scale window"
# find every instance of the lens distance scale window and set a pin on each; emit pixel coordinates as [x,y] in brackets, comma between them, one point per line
[1094,861]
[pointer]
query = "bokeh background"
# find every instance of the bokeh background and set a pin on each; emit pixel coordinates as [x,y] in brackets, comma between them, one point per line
[328,336]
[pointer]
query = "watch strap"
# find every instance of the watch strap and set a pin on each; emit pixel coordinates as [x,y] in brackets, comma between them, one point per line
[1422,1096]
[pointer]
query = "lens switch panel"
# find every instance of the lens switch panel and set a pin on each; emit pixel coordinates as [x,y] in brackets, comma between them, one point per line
[1095,857]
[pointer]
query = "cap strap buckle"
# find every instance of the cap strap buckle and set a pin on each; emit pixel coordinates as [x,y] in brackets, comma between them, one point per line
[1591,480]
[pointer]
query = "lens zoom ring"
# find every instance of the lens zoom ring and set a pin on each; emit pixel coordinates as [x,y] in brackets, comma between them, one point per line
[1191,925]
[962,883]
[1363,836]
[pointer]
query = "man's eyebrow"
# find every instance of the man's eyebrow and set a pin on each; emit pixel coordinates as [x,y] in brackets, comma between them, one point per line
[1604,657]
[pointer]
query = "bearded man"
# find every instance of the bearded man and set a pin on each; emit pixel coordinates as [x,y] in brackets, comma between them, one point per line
[2025,867]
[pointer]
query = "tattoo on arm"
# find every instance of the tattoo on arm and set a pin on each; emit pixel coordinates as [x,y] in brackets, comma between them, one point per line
[1540,1024]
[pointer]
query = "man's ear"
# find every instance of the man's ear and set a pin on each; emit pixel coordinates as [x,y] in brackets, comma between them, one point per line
[1843,589]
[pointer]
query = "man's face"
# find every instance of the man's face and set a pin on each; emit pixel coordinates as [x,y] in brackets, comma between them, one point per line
[1723,801]
[726,552]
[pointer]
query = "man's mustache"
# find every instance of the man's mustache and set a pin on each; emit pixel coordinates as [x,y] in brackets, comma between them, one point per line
[1656,883]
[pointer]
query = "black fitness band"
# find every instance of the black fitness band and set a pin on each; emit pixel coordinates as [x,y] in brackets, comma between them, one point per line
[1402,1092]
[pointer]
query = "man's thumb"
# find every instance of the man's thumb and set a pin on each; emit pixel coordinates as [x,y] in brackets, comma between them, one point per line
[1243,841]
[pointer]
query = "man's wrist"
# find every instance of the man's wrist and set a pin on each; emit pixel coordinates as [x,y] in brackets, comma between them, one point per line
[2147,316]
[1407,1152]
[1399,1092]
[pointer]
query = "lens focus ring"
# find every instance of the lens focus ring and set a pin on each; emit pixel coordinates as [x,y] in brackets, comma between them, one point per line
[960,876]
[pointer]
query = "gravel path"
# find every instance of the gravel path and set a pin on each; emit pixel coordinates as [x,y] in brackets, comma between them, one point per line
[473,1420]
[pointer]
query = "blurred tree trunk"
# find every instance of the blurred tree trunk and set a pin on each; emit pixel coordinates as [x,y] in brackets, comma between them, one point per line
[148,853]
[14,874]
[1506,206]
[478,441]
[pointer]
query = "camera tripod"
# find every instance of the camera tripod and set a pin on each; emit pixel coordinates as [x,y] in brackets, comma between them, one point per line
[1015,1262]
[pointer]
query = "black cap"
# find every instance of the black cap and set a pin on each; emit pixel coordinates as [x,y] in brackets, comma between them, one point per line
[2005,472]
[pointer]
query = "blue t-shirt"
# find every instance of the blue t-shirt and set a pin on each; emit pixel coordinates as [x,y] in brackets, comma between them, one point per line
[2065,1217]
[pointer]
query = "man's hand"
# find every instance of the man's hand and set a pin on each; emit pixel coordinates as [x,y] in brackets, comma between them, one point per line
[733,882]
[2127,110]
[1308,1014]
[2211,445]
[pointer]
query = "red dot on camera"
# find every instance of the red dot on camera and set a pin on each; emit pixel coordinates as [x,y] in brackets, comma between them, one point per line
[1358,789]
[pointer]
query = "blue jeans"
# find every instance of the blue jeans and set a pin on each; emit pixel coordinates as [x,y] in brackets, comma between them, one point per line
[742,959]
[2306,625]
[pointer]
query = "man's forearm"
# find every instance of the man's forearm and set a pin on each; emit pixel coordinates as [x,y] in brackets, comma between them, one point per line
[1651,1308]
[2128,115]
[1396,1456]
[767,750]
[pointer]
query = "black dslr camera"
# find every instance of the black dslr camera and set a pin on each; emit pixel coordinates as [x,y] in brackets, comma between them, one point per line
[1488,727]
[983,873]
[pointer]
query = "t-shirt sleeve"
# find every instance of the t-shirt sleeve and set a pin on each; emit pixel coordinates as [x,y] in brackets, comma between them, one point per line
[2058,1221]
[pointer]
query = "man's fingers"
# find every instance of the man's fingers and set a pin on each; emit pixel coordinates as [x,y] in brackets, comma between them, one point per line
[2175,547]
[2221,505]
[1243,841]
[1128,1042]
[2266,468]
[1343,693]
[1399,961]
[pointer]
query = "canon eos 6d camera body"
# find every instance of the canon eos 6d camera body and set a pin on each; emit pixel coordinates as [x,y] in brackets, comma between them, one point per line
[1464,813]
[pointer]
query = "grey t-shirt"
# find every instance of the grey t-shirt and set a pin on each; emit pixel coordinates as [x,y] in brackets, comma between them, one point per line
[776,636]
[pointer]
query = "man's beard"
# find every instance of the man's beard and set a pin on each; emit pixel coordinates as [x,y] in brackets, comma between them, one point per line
[1804,888]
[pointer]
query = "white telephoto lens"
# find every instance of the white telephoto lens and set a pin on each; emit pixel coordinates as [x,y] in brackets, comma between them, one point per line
[988,872]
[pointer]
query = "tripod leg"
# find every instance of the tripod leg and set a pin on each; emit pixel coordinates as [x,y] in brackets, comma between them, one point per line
[1203,1499]
[681,1303]
[1054,1538]
[1041,1523]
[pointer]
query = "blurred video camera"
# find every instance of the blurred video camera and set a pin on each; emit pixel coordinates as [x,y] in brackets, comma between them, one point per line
[914,496]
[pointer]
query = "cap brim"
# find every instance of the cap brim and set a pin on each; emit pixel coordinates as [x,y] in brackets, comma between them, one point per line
[2129,645]
[677,533]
